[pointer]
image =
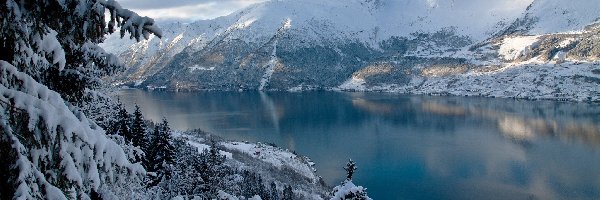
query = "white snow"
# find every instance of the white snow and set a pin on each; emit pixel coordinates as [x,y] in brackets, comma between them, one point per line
[371,21]
[50,45]
[274,156]
[84,154]
[325,22]
[201,68]
[273,61]
[554,16]
[225,196]
[347,187]
[202,147]
[138,82]
[175,40]
[514,47]
[560,57]
[287,24]
[270,68]
[566,42]
[130,22]
[565,81]
[296,89]
[354,20]
[354,84]
[255,197]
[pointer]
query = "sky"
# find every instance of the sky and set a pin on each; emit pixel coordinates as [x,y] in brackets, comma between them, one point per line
[185,10]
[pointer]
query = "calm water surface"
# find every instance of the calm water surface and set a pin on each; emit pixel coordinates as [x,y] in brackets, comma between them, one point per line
[409,147]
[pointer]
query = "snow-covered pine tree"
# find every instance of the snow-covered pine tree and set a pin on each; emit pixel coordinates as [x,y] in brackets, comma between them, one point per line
[247,186]
[149,159]
[102,109]
[186,180]
[274,193]
[350,168]
[120,131]
[55,41]
[138,128]
[347,190]
[49,60]
[262,190]
[123,124]
[288,193]
[214,156]
[213,170]
[161,154]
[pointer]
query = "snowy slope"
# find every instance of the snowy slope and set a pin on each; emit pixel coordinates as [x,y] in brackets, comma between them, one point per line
[474,18]
[555,16]
[368,21]
[365,20]
[274,164]
[147,57]
[360,44]
[374,20]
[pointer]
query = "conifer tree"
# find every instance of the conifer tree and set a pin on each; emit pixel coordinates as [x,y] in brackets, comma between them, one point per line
[56,41]
[288,193]
[138,129]
[123,123]
[262,190]
[252,184]
[214,156]
[347,190]
[212,169]
[49,58]
[150,159]
[274,193]
[161,154]
[350,168]
[187,168]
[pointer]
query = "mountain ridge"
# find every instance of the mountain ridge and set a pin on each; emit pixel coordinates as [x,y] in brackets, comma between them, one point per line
[339,45]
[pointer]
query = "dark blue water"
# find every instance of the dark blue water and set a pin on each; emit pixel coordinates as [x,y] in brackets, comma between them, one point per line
[409,147]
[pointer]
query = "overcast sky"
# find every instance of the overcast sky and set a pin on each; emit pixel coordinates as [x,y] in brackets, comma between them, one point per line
[185,10]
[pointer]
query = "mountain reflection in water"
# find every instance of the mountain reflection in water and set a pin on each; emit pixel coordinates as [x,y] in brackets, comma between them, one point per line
[409,147]
[520,127]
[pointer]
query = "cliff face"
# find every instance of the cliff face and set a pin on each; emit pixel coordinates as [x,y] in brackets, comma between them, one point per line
[461,47]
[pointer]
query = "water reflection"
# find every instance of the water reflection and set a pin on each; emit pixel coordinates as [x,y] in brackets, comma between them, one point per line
[410,147]
[518,126]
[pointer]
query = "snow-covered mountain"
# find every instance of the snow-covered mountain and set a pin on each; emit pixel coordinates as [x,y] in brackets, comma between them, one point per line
[510,48]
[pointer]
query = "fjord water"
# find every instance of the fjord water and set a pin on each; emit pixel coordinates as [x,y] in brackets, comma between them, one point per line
[409,147]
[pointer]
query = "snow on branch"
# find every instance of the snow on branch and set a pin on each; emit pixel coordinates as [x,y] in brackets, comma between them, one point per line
[129,21]
[60,140]
[50,46]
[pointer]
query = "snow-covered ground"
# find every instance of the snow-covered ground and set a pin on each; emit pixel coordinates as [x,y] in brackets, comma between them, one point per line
[514,47]
[570,81]
[279,158]
[555,16]
[272,163]
[201,147]
[196,67]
